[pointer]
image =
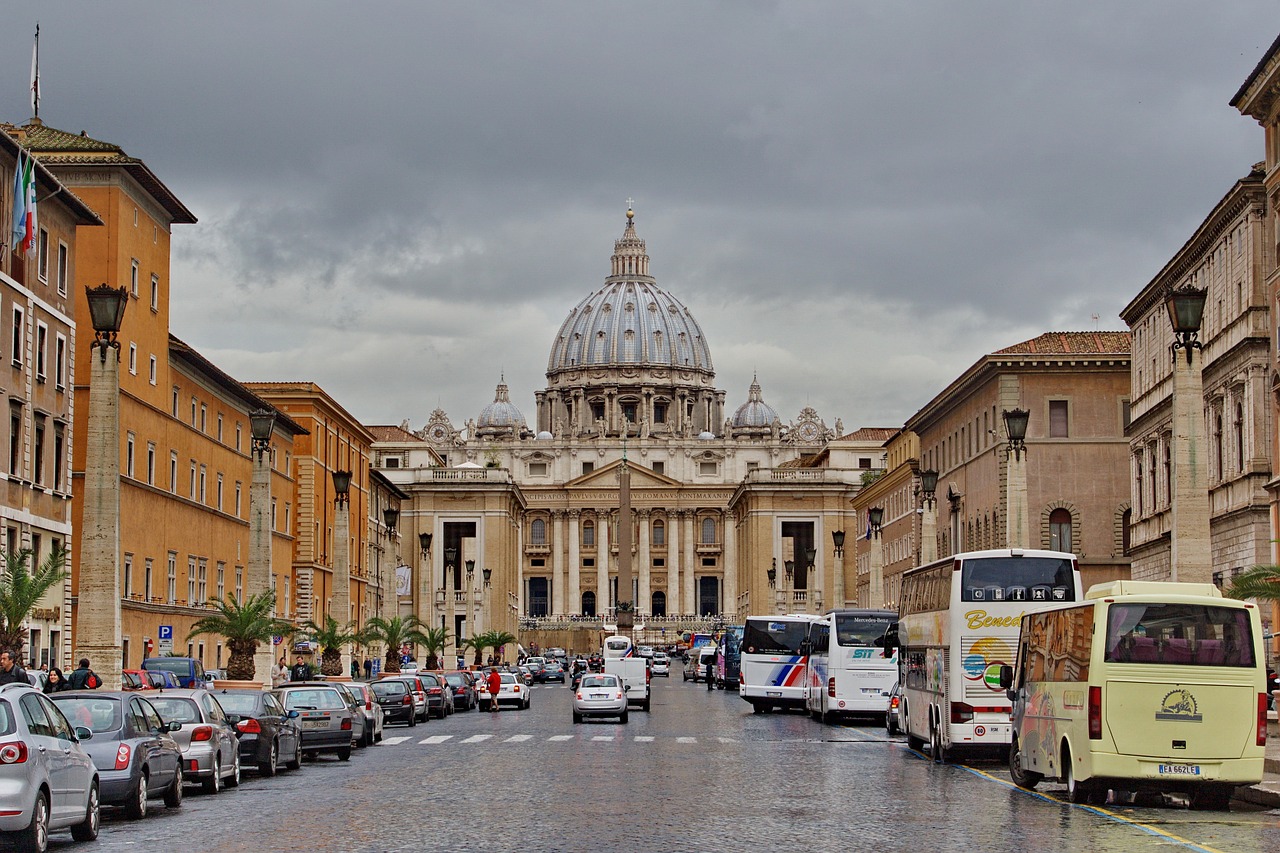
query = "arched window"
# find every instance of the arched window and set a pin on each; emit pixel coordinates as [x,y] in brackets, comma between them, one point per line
[1060,530]
[659,532]
[1126,518]
[708,531]
[589,533]
[588,603]
[538,532]
[659,604]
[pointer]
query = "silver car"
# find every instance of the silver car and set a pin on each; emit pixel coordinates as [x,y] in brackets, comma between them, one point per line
[326,716]
[210,749]
[600,695]
[47,780]
[370,708]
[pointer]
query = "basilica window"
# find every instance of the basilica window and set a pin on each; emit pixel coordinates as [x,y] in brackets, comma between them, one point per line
[708,531]
[659,413]
[589,533]
[659,533]
[629,411]
[538,532]
[708,468]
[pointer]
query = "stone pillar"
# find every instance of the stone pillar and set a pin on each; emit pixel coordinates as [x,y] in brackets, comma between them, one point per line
[1017,524]
[574,604]
[340,608]
[673,563]
[929,531]
[557,562]
[875,578]
[258,571]
[602,562]
[837,593]
[1191,558]
[97,625]
[645,603]
[691,556]
[730,590]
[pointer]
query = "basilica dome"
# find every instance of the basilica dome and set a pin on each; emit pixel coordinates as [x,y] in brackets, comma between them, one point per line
[501,415]
[755,416]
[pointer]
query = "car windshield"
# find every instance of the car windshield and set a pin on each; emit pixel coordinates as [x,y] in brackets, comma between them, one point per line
[173,708]
[455,680]
[429,680]
[239,703]
[319,699]
[600,681]
[98,715]
[383,689]
[178,666]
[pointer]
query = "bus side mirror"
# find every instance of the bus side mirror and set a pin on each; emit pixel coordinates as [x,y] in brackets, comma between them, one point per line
[1006,676]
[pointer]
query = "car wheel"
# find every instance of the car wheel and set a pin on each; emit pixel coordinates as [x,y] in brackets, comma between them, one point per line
[622,718]
[344,754]
[296,763]
[213,784]
[234,781]
[268,767]
[577,718]
[36,835]
[173,796]
[136,808]
[88,830]
[413,720]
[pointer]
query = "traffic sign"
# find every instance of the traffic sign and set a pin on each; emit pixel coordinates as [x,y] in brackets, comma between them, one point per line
[165,646]
[166,632]
[276,639]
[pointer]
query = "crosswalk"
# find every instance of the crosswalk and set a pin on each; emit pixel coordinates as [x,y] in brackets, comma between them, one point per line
[438,740]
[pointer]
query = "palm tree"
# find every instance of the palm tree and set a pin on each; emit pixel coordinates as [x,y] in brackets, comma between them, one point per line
[394,633]
[21,590]
[434,642]
[332,636]
[489,640]
[244,626]
[1260,582]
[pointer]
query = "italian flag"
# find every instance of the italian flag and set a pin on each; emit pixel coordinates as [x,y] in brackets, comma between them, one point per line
[24,204]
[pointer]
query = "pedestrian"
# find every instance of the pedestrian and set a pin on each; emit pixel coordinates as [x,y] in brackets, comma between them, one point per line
[280,673]
[301,671]
[355,668]
[368,669]
[495,687]
[83,678]
[57,682]
[10,671]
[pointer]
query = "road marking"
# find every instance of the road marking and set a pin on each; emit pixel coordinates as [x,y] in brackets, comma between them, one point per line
[727,740]
[644,738]
[476,739]
[686,740]
[392,741]
[518,738]
[559,738]
[602,737]
[434,739]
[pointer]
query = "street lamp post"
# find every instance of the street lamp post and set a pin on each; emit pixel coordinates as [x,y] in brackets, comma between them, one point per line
[446,596]
[875,558]
[1017,524]
[813,598]
[837,540]
[261,425]
[928,516]
[1190,557]
[98,623]
[340,609]
[390,518]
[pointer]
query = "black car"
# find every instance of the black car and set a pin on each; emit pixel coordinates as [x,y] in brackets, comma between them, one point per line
[464,690]
[553,671]
[268,733]
[396,701]
[538,671]
[439,694]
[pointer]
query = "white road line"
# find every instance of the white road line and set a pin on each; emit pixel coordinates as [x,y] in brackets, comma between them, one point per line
[476,739]
[686,740]
[434,739]
[392,741]
[727,740]
[602,737]
[518,738]
[644,738]
[559,738]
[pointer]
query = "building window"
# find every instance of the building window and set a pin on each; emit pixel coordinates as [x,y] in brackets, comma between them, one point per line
[204,416]
[708,469]
[589,534]
[273,514]
[708,531]
[191,480]
[172,592]
[237,498]
[1239,429]
[219,493]
[1218,458]
[240,588]
[127,586]
[204,476]
[59,447]
[173,472]
[659,532]
[37,450]
[659,467]
[148,567]
[151,463]
[191,581]
[1060,530]
[19,338]
[152,370]
[219,427]
[222,580]
[659,413]
[63,265]
[155,293]
[133,359]
[128,455]
[1058,419]
[237,435]
[60,363]
[175,401]
[133,278]
[15,440]
[538,532]
[202,589]
[42,351]
[42,255]
[195,408]
[588,467]
[536,469]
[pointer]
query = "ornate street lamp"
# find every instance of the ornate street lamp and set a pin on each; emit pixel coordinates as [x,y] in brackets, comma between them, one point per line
[811,554]
[341,486]
[488,573]
[424,542]
[1186,312]
[390,517]
[875,518]
[1015,426]
[261,424]
[773,573]
[471,570]
[929,482]
[837,539]
[106,312]
[450,556]
[791,569]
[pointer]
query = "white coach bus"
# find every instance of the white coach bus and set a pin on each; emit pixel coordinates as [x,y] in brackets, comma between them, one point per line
[850,670]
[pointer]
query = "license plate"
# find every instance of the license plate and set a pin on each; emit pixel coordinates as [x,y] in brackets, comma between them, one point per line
[773,693]
[599,695]
[871,690]
[315,724]
[1179,769]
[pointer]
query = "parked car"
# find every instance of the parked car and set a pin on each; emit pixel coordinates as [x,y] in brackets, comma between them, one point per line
[537,669]
[369,709]
[135,679]
[326,716]
[600,695]
[645,651]
[132,748]
[268,733]
[464,690]
[210,748]
[37,746]
[418,692]
[189,671]
[661,664]
[393,695]
[439,694]
[892,722]
[512,692]
[357,712]
[554,672]
[523,672]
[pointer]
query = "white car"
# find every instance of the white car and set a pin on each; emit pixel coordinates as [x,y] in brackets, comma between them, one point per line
[600,694]
[645,651]
[661,665]
[513,692]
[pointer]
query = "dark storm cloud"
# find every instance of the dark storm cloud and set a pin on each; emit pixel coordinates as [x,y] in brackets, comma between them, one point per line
[402,201]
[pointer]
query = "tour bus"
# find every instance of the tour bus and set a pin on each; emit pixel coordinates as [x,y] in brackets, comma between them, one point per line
[958,625]
[773,668]
[850,670]
[1144,686]
[729,658]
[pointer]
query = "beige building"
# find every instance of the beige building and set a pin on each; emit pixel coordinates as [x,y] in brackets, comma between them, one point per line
[1224,256]
[1076,387]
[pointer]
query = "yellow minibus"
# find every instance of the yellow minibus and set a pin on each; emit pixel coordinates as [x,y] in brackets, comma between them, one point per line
[1143,686]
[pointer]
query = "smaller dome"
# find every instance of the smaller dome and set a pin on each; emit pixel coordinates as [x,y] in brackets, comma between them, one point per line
[706,435]
[501,415]
[545,436]
[755,413]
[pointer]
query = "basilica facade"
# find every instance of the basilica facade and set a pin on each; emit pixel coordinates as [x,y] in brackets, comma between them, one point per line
[513,523]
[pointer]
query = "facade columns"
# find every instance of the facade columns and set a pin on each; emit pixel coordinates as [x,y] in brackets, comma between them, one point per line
[575,562]
[1191,555]
[602,562]
[673,563]
[557,562]
[729,591]
[690,554]
[645,603]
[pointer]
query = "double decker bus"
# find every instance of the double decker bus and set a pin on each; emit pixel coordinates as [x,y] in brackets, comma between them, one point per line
[773,668]
[851,672]
[958,625]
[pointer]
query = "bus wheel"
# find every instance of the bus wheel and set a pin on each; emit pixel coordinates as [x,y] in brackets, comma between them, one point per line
[1213,797]
[1022,778]
[936,750]
[830,718]
[1077,791]
[757,708]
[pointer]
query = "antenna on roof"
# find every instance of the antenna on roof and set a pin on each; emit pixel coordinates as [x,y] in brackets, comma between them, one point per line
[1095,322]
[35,74]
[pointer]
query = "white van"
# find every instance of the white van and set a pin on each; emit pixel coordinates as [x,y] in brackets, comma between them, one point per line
[1143,686]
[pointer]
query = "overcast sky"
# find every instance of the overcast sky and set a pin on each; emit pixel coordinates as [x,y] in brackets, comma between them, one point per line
[403,201]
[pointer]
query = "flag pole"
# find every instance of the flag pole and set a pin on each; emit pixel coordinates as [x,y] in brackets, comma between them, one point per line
[35,74]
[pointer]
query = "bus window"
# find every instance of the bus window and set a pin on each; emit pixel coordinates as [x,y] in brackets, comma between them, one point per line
[861,630]
[1017,579]
[1187,634]
[766,637]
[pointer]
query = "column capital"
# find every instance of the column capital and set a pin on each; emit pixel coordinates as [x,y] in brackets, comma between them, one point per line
[558,514]
[574,513]
[643,512]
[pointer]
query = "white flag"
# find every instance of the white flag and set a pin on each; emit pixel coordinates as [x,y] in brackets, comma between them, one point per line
[35,74]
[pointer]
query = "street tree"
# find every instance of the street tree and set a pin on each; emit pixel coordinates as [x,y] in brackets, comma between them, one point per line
[394,633]
[1261,583]
[21,590]
[244,626]
[331,637]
